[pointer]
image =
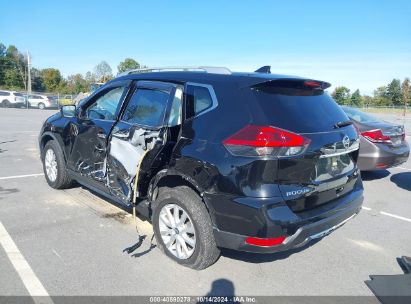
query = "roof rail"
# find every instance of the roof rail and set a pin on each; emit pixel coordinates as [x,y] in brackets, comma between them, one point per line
[207,69]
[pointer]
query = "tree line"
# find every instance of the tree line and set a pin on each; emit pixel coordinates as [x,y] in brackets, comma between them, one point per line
[395,93]
[14,70]
[13,76]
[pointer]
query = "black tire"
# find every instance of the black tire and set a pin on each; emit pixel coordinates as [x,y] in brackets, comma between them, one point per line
[205,252]
[62,180]
[5,103]
[41,106]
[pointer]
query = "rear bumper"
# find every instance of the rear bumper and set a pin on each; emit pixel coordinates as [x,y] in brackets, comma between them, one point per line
[299,228]
[374,156]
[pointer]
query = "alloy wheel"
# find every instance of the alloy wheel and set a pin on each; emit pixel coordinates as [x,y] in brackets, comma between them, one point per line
[50,163]
[177,231]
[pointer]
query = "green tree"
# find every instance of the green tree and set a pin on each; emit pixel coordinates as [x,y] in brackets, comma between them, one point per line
[368,100]
[12,79]
[90,77]
[341,95]
[2,50]
[3,63]
[103,71]
[394,91]
[356,99]
[76,84]
[12,67]
[127,64]
[381,97]
[36,80]
[406,93]
[51,79]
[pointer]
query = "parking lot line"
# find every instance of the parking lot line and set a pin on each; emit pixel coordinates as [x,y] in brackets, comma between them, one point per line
[366,208]
[27,275]
[396,216]
[21,176]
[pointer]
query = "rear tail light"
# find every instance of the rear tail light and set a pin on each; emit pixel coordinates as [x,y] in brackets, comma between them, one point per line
[376,136]
[265,242]
[265,141]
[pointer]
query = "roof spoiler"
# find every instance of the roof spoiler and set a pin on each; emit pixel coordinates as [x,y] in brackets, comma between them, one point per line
[264,69]
[292,83]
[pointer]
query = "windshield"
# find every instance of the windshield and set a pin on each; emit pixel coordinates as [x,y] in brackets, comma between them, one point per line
[357,115]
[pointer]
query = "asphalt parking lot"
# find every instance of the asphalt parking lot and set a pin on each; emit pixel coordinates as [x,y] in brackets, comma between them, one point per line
[72,240]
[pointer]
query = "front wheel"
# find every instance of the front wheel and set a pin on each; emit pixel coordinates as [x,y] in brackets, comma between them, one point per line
[182,227]
[54,166]
[41,106]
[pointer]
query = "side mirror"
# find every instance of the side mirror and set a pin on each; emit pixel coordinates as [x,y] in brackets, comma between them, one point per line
[68,111]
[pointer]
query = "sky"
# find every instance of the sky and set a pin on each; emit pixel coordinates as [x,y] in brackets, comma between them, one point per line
[358,44]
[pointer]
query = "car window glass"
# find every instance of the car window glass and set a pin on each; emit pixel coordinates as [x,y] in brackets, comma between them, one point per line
[198,100]
[105,106]
[4,93]
[175,112]
[146,107]
[358,115]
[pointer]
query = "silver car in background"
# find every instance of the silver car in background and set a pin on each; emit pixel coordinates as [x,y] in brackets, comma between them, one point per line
[382,144]
[41,101]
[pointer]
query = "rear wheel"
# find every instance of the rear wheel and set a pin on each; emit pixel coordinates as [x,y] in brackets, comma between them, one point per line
[182,227]
[41,106]
[54,166]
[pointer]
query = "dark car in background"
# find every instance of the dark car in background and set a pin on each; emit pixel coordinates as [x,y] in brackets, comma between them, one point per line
[382,144]
[249,161]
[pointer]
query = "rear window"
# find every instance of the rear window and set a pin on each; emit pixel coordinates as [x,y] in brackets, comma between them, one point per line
[301,111]
[146,107]
[358,115]
[2,93]
[198,99]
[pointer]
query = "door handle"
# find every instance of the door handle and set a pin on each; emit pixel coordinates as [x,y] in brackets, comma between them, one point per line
[101,135]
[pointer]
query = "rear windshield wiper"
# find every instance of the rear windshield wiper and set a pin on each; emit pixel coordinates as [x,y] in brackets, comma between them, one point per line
[342,124]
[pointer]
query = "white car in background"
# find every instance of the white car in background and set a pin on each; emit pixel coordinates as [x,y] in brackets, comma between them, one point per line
[41,101]
[11,99]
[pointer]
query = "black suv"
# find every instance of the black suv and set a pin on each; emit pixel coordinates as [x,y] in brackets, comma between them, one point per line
[249,161]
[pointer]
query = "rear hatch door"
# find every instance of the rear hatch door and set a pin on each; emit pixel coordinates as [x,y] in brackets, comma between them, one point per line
[327,168]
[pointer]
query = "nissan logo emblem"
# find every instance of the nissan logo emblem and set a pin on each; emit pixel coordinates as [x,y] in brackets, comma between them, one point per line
[346,141]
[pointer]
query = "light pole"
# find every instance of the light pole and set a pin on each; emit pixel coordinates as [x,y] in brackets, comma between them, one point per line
[28,78]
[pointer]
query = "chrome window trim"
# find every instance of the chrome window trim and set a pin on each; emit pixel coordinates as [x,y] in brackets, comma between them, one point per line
[212,94]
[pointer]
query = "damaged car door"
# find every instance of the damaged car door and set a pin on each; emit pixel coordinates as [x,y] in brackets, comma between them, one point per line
[89,134]
[136,144]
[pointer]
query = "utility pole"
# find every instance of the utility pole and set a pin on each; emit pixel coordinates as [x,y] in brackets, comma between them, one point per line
[28,73]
